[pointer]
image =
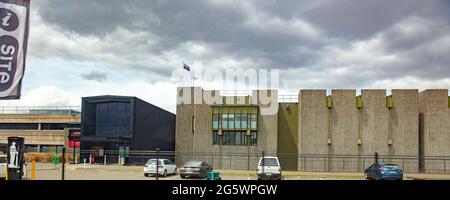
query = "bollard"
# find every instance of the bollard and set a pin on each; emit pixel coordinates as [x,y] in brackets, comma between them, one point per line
[63,162]
[157,163]
[84,163]
[55,160]
[104,159]
[376,158]
[33,170]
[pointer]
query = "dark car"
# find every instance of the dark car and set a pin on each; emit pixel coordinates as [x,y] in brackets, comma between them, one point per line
[197,169]
[382,171]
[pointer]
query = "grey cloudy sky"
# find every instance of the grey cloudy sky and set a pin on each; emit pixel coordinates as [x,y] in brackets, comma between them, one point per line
[315,44]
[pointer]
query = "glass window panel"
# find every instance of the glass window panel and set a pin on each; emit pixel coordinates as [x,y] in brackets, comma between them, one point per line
[253,121]
[238,139]
[244,122]
[237,121]
[254,138]
[215,120]
[230,120]
[215,137]
[224,120]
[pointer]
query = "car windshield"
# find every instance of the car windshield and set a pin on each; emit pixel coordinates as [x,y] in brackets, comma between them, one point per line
[2,159]
[153,162]
[269,162]
[193,164]
[390,166]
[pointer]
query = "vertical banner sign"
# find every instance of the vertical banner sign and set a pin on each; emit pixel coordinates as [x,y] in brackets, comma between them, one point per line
[14,25]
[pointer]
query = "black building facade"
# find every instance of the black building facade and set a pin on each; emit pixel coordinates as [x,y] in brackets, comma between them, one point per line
[111,122]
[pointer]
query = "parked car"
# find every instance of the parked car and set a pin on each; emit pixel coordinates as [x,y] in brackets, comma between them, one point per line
[269,168]
[165,167]
[383,171]
[195,169]
[2,166]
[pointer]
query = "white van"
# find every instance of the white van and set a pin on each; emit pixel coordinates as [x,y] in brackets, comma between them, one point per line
[269,168]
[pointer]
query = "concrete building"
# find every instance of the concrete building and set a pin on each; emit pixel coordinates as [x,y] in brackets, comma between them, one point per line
[44,128]
[434,131]
[318,132]
[230,128]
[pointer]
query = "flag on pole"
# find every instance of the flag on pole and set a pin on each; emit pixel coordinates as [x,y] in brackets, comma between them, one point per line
[186,67]
[14,26]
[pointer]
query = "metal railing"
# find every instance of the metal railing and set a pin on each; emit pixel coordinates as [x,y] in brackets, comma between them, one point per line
[290,162]
[70,110]
[288,98]
[235,92]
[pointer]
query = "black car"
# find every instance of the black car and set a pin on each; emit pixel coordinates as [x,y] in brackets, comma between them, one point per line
[198,169]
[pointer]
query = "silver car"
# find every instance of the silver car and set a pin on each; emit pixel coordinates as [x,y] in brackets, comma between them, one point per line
[165,167]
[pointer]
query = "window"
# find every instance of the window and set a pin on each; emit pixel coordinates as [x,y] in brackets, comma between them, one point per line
[215,123]
[18,126]
[235,118]
[230,120]
[244,121]
[237,121]
[224,120]
[253,138]
[234,138]
[53,126]
[253,121]
[215,137]
[167,162]
[113,119]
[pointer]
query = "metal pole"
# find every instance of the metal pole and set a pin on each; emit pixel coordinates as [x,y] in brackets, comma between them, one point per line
[7,170]
[157,163]
[73,151]
[262,160]
[376,157]
[63,162]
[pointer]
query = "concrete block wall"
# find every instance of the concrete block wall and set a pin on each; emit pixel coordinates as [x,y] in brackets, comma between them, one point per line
[313,129]
[392,132]
[344,130]
[405,128]
[434,106]
[375,124]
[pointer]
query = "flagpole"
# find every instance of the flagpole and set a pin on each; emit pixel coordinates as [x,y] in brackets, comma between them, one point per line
[193,78]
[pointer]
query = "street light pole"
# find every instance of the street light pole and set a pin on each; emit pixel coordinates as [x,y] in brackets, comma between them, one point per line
[157,163]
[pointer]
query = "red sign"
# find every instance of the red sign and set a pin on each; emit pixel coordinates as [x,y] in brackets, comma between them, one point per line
[71,143]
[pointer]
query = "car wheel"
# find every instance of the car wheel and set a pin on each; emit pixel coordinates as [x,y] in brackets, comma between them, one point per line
[182,176]
[175,172]
[165,173]
[145,174]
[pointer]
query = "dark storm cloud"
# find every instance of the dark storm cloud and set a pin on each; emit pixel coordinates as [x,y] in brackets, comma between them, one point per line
[324,41]
[95,75]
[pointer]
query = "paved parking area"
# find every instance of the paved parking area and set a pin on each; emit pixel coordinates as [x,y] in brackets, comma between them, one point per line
[46,171]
